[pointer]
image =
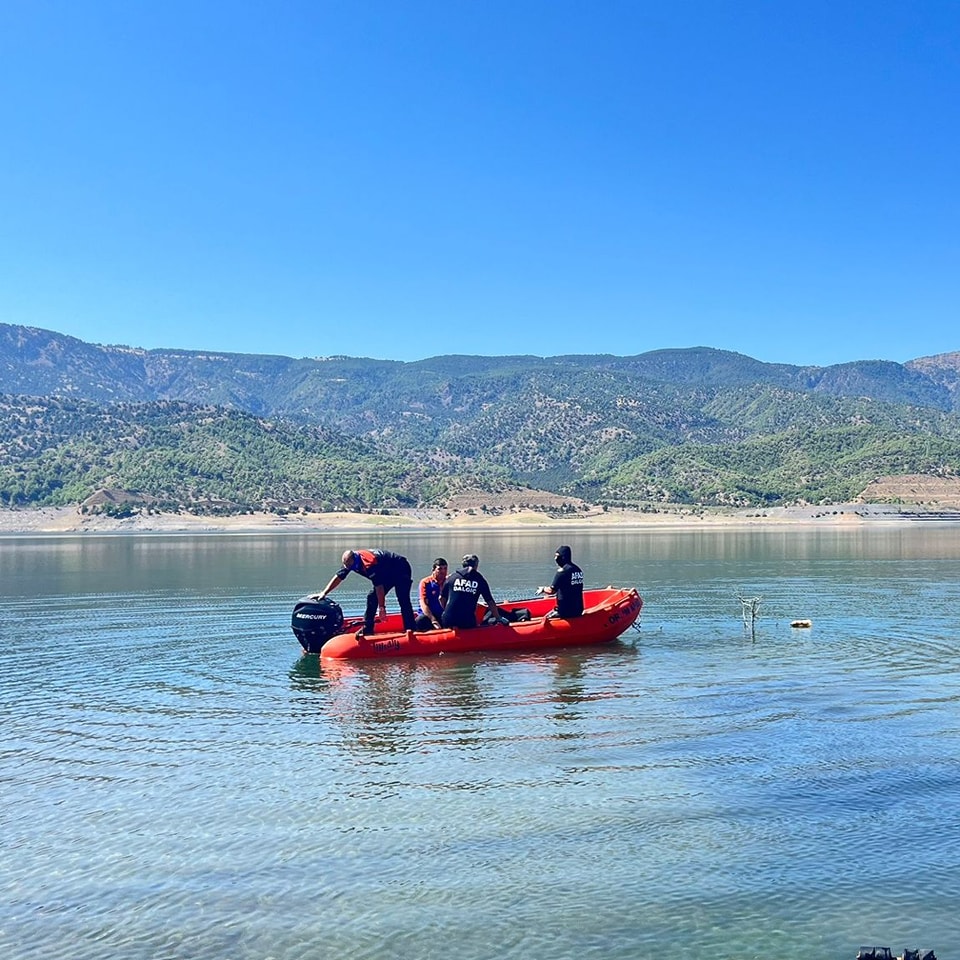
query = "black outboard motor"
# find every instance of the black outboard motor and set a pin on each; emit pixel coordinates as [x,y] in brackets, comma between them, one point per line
[315,621]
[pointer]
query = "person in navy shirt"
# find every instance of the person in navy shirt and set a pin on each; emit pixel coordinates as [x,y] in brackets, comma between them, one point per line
[462,591]
[386,571]
[567,586]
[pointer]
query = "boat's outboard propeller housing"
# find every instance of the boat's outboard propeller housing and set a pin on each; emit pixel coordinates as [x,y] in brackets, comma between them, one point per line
[315,621]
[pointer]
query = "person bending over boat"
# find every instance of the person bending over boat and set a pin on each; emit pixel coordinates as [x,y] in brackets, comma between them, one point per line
[462,591]
[431,607]
[386,571]
[567,586]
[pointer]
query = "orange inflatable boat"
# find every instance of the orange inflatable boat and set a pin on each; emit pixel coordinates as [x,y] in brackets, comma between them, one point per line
[607,613]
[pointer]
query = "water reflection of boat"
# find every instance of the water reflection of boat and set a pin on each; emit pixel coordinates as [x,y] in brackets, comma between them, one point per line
[607,614]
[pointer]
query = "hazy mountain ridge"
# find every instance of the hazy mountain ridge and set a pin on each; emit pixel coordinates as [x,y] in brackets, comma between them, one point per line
[694,425]
[39,362]
[943,369]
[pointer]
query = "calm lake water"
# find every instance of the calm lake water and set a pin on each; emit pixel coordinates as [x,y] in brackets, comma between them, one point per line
[177,782]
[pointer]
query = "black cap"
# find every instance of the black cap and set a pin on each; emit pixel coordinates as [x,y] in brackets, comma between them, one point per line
[563,552]
[471,560]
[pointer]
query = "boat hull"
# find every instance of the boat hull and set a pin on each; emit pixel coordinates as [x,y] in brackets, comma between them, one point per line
[607,614]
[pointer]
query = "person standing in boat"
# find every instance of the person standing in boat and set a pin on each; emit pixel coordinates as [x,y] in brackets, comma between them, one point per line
[431,586]
[462,591]
[386,571]
[567,586]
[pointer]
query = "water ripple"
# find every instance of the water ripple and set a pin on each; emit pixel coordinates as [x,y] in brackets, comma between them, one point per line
[178,782]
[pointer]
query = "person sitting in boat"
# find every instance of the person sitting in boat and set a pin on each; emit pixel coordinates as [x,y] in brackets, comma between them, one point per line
[431,607]
[567,586]
[461,592]
[386,571]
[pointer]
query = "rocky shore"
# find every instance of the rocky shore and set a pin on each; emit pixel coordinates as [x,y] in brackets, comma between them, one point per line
[71,521]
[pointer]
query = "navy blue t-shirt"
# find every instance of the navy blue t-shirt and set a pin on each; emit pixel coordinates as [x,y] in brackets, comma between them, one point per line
[568,586]
[461,593]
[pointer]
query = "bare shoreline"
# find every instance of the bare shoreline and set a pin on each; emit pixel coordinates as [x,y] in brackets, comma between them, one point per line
[69,521]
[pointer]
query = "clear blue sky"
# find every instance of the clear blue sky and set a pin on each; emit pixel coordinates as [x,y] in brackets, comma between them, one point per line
[407,178]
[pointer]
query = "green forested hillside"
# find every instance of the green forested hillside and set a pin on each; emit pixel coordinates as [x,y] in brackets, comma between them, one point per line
[759,447]
[184,456]
[234,432]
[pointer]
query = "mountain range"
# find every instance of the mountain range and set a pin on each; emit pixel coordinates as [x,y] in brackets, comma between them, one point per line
[697,425]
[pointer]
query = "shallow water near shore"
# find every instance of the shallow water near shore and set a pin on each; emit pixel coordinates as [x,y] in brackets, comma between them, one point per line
[179,782]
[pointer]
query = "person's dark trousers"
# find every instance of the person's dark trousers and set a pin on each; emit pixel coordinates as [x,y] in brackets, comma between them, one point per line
[402,587]
[402,591]
[370,613]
